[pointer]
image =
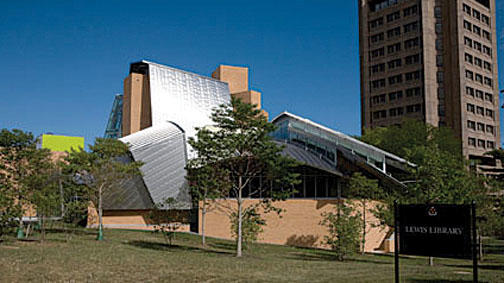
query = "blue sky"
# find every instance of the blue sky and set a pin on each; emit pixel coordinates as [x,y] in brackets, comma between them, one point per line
[63,61]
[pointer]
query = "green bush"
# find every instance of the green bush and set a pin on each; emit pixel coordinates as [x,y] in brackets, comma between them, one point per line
[252,224]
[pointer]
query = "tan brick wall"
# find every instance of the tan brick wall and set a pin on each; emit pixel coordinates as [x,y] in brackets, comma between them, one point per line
[298,225]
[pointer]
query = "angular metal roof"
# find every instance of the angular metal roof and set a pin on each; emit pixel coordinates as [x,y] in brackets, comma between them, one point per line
[162,149]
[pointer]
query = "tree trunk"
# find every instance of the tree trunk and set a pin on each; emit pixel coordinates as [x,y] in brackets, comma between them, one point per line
[431,261]
[42,227]
[239,241]
[203,213]
[100,214]
[61,194]
[363,226]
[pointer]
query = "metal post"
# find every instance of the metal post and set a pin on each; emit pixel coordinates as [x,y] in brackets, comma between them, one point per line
[474,244]
[396,242]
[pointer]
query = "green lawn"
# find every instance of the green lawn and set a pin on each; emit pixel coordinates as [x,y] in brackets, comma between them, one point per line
[132,256]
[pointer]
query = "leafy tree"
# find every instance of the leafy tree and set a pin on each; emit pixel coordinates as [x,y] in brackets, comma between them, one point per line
[241,144]
[106,166]
[252,223]
[18,156]
[167,219]
[344,228]
[207,179]
[363,189]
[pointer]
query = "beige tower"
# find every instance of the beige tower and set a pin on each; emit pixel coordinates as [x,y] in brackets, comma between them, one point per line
[237,79]
[433,60]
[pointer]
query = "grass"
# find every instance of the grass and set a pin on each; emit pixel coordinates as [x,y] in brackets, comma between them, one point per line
[131,256]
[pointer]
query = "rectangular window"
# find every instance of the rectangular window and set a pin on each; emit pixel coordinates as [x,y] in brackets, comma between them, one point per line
[490,144]
[413,10]
[411,27]
[471,124]
[481,127]
[440,77]
[476,14]
[415,91]
[479,94]
[468,58]
[410,43]
[479,78]
[487,50]
[481,143]
[486,35]
[477,45]
[470,91]
[490,129]
[412,59]
[488,97]
[468,41]
[467,9]
[394,63]
[470,108]
[438,12]
[393,32]
[478,62]
[469,75]
[477,30]
[415,75]
[488,82]
[393,48]
[480,110]
[467,26]
[471,141]
[395,79]
[487,66]
[485,19]
[489,113]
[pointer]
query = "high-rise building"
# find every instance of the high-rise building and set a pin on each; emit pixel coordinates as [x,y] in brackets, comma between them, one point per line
[433,60]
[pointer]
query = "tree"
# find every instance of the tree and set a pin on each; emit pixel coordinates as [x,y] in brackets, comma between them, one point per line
[252,223]
[363,189]
[167,220]
[243,150]
[18,154]
[207,181]
[105,167]
[344,228]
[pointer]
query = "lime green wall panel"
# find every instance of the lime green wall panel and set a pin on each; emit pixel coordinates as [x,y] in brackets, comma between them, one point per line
[62,143]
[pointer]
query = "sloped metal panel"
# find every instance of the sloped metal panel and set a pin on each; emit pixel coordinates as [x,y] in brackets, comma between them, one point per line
[162,149]
[184,98]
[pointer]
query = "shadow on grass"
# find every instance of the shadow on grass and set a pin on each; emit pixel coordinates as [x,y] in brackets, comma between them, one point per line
[71,231]
[165,247]
[223,246]
[311,254]
[480,266]
[436,280]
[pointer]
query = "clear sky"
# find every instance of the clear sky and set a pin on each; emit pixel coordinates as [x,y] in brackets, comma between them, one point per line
[63,61]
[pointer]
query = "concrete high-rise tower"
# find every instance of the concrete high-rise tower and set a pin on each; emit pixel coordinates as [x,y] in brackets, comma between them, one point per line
[433,60]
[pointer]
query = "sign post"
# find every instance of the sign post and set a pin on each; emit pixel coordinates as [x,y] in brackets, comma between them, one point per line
[435,230]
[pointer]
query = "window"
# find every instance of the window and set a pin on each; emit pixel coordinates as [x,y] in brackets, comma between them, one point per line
[380,114]
[477,30]
[412,59]
[394,16]
[439,44]
[487,66]
[487,50]
[481,127]
[485,19]
[489,113]
[467,26]
[472,142]
[440,92]
[469,75]
[480,110]
[479,94]
[395,95]
[488,82]
[439,28]
[486,35]
[410,43]
[411,27]
[481,143]
[488,97]
[490,144]
[479,78]
[375,23]
[377,37]
[490,129]
[378,83]
[378,68]
[413,108]
[470,108]
[413,10]
[478,62]
[476,14]
[395,79]
[393,32]
[440,77]
[470,91]
[377,52]
[468,58]
[393,48]
[468,41]
[466,9]
[439,60]
[437,12]
[471,124]
[415,91]
[477,45]
[394,63]
[415,75]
